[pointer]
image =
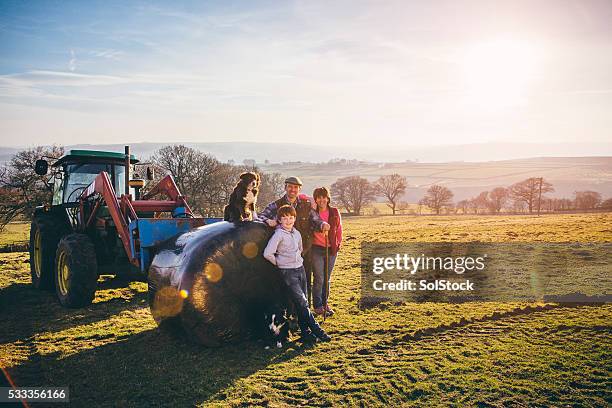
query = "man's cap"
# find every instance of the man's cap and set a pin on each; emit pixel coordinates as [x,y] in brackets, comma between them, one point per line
[293,180]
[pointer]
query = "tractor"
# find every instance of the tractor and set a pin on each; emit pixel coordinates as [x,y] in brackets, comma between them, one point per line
[99,222]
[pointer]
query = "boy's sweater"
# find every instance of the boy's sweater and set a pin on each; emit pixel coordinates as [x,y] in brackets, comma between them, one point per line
[284,248]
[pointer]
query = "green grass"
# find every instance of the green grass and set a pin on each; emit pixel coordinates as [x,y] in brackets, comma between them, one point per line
[15,233]
[475,354]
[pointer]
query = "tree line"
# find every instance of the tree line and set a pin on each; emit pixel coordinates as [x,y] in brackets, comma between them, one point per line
[354,193]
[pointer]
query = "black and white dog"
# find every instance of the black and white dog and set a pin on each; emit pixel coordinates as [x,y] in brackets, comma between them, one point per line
[241,205]
[275,327]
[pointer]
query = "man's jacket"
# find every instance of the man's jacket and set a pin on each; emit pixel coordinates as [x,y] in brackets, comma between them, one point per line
[307,220]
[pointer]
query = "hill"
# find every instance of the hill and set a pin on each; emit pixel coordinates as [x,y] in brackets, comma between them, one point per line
[567,174]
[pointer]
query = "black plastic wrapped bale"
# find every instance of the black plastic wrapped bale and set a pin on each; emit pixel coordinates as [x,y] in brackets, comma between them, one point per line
[214,281]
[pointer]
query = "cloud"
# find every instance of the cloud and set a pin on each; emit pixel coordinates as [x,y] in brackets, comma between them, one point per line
[73,61]
[36,79]
[107,53]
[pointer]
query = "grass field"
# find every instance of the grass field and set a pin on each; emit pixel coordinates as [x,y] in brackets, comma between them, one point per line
[15,233]
[470,354]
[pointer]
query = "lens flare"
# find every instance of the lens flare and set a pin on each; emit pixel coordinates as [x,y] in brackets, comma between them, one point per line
[167,303]
[213,272]
[250,250]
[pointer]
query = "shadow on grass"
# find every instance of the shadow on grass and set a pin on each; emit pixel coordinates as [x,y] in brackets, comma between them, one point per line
[26,311]
[153,368]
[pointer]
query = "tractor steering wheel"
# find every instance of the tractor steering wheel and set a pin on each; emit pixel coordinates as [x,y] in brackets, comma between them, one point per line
[78,190]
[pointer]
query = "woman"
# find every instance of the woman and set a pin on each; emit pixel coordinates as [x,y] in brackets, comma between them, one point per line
[333,239]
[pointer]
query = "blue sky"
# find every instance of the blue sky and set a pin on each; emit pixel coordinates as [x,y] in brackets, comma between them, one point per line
[358,72]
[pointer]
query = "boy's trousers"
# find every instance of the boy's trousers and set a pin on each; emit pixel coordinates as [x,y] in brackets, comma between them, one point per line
[295,279]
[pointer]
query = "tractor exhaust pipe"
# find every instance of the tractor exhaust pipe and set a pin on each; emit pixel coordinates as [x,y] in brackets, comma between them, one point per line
[127,170]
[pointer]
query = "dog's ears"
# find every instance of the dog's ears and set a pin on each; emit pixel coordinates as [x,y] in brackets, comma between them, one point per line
[249,175]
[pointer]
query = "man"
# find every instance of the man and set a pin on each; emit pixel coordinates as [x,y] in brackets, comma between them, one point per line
[307,220]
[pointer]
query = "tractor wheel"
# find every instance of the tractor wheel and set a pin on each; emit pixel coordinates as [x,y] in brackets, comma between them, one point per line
[76,271]
[45,233]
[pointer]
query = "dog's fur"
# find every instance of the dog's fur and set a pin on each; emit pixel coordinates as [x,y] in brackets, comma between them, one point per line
[275,327]
[239,209]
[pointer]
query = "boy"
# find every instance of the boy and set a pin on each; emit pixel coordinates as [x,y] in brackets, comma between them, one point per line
[285,251]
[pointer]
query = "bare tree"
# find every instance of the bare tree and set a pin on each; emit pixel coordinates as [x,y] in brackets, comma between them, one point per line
[272,187]
[587,200]
[563,204]
[528,191]
[403,206]
[497,199]
[481,201]
[518,206]
[196,174]
[606,205]
[548,204]
[391,187]
[438,197]
[462,205]
[473,205]
[21,189]
[216,194]
[353,193]
[420,206]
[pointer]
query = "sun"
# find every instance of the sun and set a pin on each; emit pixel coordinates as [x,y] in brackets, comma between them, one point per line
[499,72]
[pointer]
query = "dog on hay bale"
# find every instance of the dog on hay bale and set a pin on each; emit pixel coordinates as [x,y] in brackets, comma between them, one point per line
[241,205]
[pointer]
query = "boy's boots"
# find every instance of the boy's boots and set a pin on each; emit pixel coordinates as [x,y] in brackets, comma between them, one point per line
[309,325]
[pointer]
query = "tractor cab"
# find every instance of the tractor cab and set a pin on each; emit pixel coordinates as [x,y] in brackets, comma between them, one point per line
[75,171]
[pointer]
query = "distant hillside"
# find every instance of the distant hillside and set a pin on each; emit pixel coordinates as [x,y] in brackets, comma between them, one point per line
[568,174]
[286,152]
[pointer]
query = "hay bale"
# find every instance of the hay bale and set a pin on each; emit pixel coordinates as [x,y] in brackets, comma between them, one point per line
[214,282]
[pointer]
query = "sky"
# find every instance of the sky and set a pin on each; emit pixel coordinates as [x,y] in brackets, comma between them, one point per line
[327,73]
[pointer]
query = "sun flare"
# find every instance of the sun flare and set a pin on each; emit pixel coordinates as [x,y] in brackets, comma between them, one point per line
[499,72]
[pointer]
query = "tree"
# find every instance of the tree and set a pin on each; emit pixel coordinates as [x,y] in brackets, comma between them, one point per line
[21,189]
[473,205]
[497,199]
[587,200]
[391,187]
[606,205]
[197,175]
[481,201]
[216,194]
[563,204]
[518,206]
[528,191]
[438,197]
[353,193]
[420,206]
[462,205]
[272,187]
[403,207]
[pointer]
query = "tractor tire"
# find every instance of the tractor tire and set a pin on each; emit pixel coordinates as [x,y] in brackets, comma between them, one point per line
[45,234]
[76,271]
